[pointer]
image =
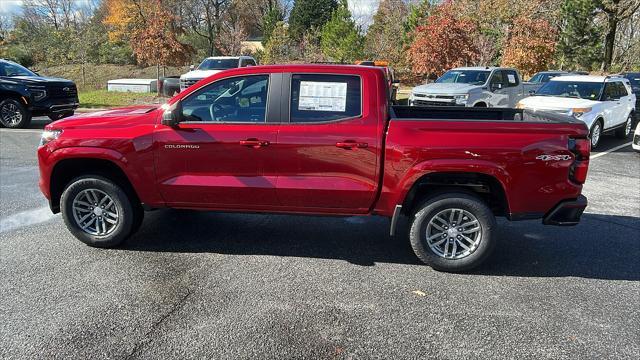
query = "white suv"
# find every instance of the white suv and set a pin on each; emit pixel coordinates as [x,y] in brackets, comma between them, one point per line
[604,103]
[213,65]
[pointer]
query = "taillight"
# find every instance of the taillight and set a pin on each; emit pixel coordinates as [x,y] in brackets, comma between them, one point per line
[581,148]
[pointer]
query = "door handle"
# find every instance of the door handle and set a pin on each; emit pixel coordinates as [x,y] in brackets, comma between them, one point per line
[254,143]
[351,145]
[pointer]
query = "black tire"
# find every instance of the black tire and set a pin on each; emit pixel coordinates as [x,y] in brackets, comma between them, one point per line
[129,214]
[13,114]
[596,142]
[58,116]
[625,131]
[485,237]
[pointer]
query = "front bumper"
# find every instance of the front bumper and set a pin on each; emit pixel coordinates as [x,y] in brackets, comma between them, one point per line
[55,106]
[566,213]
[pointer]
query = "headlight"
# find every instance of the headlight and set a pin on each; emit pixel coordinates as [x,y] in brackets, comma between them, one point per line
[49,135]
[461,98]
[578,112]
[520,105]
[37,93]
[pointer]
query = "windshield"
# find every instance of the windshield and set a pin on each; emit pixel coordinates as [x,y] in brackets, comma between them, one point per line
[11,69]
[542,77]
[476,77]
[582,90]
[218,64]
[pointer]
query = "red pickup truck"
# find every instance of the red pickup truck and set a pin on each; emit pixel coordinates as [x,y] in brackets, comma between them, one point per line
[317,139]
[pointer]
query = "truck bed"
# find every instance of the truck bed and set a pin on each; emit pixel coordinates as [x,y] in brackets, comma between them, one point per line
[478,114]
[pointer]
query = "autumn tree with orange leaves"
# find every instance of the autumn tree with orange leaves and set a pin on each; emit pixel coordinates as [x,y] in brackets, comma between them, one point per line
[530,46]
[444,42]
[150,27]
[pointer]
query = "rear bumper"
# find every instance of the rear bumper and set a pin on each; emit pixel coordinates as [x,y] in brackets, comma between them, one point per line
[566,213]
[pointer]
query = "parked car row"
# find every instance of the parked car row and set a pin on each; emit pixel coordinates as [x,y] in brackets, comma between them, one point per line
[603,103]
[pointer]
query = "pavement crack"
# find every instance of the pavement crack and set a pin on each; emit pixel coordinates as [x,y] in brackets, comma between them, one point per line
[147,336]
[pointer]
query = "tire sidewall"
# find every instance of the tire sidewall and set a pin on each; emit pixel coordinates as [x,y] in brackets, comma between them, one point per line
[26,116]
[598,122]
[429,209]
[121,200]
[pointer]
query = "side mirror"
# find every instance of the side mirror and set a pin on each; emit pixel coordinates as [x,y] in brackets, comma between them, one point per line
[192,67]
[171,116]
[496,86]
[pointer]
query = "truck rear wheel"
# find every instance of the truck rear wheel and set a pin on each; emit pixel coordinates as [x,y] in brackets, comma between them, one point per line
[13,114]
[452,232]
[98,212]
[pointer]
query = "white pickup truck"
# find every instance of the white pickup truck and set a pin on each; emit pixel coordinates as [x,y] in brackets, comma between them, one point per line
[474,87]
[213,65]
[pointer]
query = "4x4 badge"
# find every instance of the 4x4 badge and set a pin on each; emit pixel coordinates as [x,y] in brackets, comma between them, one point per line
[553,157]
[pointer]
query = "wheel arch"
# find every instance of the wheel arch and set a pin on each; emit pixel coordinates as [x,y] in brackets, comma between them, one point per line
[66,170]
[482,185]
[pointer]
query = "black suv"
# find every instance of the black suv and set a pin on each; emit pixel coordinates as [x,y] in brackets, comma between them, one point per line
[24,94]
[634,79]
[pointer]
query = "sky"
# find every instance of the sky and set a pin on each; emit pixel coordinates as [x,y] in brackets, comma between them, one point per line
[362,10]
[9,7]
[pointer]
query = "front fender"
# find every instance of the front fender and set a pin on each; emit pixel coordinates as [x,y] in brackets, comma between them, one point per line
[141,181]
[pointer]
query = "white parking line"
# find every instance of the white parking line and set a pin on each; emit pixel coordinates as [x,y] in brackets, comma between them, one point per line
[33,131]
[26,218]
[597,155]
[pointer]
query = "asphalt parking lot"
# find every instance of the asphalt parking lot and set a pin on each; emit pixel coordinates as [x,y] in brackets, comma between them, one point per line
[212,285]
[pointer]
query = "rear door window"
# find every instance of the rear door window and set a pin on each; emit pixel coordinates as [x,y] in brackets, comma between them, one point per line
[322,97]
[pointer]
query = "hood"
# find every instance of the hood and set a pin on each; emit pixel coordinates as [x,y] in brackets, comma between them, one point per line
[199,74]
[556,103]
[39,80]
[111,118]
[445,88]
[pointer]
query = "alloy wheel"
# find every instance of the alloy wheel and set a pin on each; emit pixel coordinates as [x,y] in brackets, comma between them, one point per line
[95,212]
[595,135]
[453,234]
[10,115]
[627,129]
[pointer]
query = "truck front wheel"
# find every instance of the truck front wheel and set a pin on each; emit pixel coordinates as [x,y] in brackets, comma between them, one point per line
[452,232]
[13,114]
[98,212]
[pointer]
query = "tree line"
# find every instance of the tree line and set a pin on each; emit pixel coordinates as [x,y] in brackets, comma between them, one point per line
[419,37]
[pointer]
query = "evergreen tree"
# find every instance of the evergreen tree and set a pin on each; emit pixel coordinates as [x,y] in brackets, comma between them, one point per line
[280,49]
[269,22]
[307,14]
[381,41]
[580,42]
[340,39]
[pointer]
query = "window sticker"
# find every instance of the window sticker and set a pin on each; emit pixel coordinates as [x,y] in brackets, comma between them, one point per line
[512,78]
[322,96]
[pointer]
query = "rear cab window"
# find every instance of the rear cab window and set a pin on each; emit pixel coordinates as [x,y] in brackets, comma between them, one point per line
[319,98]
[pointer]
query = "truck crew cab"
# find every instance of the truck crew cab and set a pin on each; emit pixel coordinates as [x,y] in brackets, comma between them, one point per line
[317,139]
[24,94]
[474,87]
